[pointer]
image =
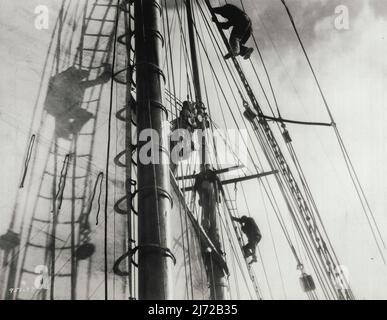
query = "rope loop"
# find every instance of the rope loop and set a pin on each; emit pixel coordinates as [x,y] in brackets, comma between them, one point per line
[131,252]
[153,247]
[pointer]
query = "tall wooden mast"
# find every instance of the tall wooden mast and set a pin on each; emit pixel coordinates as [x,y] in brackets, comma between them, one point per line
[207,189]
[154,201]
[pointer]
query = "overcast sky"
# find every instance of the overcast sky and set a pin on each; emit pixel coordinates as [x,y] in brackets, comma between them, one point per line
[351,67]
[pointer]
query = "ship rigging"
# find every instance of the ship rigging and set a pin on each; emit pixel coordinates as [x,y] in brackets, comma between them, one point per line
[121,227]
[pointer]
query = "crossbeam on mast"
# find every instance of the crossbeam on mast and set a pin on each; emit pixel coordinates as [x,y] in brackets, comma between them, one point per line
[240,179]
[254,176]
[305,123]
[251,116]
[220,171]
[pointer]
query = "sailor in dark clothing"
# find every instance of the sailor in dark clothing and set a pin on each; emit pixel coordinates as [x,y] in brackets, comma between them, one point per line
[187,116]
[209,188]
[253,234]
[208,176]
[241,31]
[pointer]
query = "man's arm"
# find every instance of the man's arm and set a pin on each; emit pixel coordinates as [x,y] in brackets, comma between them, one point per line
[236,219]
[222,11]
[225,25]
[103,78]
[218,10]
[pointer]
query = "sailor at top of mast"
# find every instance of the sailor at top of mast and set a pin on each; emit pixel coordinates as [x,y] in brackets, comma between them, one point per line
[181,137]
[241,32]
[206,178]
[192,117]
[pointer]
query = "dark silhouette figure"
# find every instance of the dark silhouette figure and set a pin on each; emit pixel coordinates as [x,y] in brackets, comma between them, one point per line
[206,178]
[241,32]
[65,96]
[253,234]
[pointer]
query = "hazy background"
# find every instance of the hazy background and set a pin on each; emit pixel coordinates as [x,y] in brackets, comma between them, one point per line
[351,67]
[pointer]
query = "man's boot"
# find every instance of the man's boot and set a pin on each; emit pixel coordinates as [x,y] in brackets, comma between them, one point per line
[228,56]
[246,252]
[254,259]
[248,53]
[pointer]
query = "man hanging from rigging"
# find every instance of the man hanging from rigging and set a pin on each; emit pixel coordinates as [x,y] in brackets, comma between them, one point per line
[253,234]
[241,31]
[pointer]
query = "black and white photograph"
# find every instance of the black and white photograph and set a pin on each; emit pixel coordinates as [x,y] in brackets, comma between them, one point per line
[205,151]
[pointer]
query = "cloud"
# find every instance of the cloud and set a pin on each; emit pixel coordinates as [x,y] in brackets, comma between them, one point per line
[379,7]
[308,16]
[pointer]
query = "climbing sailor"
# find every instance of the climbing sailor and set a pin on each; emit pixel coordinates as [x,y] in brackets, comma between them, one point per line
[253,234]
[241,31]
[65,96]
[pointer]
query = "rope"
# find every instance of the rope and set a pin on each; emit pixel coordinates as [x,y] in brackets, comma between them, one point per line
[27,160]
[280,119]
[271,138]
[226,100]
[100,180]
[350,167]
[108,157]
[62,180]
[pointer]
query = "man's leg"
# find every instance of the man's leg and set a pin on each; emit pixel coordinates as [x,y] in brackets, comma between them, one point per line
[62,127]
[247,250]
[235,45]
[218,10]
[234,42]
[254,255]
[237,41]
[235,49]
[253,250]
[80,117]
[245,51]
